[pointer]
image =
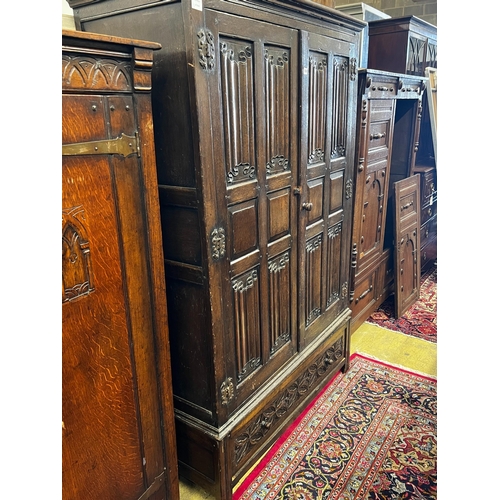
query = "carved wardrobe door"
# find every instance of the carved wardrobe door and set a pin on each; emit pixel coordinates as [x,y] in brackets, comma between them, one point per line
[325,191]
[256,168]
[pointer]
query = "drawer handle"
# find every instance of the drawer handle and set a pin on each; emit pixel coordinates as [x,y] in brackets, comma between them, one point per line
[364,294]
[383,89]
[377,136]
[429,211]
[307,206]
[408,205]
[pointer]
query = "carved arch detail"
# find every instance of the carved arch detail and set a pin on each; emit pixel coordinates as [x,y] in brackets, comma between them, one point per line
[76,260]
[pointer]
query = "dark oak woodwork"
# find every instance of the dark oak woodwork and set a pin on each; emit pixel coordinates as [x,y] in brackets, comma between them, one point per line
[402,45]
[426,166]
[389,113]
[407,245]
[118,426]
[254,105]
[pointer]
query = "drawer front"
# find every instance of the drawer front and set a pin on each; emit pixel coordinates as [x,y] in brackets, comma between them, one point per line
[428,212]
[428,188]
[278,410]
[379,134]
[428,232]
[379,137]
[410,88]
[364,293]
[381,88]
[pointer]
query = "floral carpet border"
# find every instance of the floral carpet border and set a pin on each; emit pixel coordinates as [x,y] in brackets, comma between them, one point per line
[371,433]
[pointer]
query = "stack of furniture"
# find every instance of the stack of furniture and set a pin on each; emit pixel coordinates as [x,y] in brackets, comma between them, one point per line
[402,45]
[118,437]
[254,107]
[389,111]
[394,144]
[409,45]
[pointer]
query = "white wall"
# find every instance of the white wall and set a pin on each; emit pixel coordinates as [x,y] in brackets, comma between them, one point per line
[68,21]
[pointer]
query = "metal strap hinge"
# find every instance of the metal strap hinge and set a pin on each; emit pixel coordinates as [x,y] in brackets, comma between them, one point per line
[154,486]
[124,145]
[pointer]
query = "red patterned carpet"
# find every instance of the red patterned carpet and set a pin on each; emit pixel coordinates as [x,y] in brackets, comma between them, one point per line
[371,434]
[420,320]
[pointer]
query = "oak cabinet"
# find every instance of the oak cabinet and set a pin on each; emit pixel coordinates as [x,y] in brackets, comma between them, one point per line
[402,45]
[117,405]
[254,106]
[389,114]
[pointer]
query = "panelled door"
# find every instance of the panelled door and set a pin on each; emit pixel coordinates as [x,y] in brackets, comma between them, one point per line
[254,131]
[112,439]
[325,192]
[375,180]
[407,243]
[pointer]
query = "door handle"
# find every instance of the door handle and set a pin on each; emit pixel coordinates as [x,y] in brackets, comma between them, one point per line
[307,206]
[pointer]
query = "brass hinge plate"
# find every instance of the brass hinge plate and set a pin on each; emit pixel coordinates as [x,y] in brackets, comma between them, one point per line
[124,145]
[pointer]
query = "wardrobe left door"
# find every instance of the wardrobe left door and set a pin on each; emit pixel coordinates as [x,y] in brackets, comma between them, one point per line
[112,314]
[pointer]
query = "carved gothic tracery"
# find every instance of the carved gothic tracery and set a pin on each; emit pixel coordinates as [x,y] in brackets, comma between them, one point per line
[76,262]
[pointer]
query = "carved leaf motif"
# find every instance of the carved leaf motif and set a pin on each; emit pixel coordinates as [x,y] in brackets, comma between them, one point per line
[218,237]
[206,49]
[285,402]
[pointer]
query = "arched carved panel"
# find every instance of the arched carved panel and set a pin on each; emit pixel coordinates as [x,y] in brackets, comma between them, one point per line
[238,109]
[247,323]
[85,72]
[334,260]
[314,249]
[277,82]
[279,301]
[76,258]
[340,106]
[416,56]
[317,106]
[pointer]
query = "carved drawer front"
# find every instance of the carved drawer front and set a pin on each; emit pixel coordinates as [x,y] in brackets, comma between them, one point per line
[428,188]
[428,232]
[255,433]
[379,137]
[409,88]
[364,293]
[428,212]
[381,88]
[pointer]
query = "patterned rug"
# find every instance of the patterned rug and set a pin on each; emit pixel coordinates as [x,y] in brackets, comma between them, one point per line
[371,434]
[420,320]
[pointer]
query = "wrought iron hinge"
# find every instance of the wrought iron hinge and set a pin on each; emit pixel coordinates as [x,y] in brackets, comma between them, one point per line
[124,145]
[154,486]
[218,240]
